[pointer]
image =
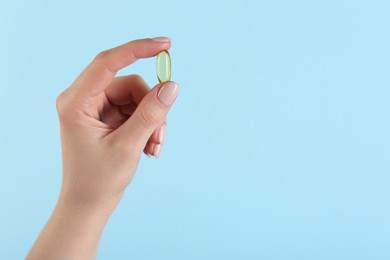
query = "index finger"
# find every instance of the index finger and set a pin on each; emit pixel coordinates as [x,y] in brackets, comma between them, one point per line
[97,76]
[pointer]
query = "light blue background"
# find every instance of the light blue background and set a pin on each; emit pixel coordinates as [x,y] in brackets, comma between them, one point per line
[278,146]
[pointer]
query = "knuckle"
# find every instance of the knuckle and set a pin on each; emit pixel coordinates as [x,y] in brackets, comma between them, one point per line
[104,58]
[60,103]
[136,78]
[63,106]
[103,55]
[148,117]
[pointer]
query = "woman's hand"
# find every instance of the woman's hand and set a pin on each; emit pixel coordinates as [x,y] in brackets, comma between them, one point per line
[106,124]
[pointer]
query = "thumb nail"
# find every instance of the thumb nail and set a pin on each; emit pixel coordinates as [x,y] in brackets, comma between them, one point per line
[168,92]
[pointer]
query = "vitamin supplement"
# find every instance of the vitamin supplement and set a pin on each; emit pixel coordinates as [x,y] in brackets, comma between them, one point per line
[163,66]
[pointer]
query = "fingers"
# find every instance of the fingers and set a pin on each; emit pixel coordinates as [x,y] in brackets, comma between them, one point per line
[153,149]
[98,75]
[156,141]
[126,90]
[148,116]
[159,135]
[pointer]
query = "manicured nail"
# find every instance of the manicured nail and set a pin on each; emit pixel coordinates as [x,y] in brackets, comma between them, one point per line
[168,92]
[161,39]
[161,134]
[151,149]
[157,150]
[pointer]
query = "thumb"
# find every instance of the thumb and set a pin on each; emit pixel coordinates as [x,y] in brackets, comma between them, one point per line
[150,114]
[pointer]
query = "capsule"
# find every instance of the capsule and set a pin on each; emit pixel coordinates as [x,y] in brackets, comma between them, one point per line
[163,66]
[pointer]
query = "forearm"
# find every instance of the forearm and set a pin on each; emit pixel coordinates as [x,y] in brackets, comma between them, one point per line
[72,232]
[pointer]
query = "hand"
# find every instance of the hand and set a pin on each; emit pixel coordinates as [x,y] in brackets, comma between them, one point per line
[106,124]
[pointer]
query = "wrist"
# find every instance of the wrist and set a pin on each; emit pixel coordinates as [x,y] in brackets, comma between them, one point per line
[75,204]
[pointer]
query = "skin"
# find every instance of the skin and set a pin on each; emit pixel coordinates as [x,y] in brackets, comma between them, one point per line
[107,122]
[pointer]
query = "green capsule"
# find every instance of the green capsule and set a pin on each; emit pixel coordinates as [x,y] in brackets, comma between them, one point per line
[163,66]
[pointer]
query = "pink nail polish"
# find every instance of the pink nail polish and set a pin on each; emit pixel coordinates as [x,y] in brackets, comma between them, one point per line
[161,39]
[151,149]
[161,134]
[168,93]
[157,150]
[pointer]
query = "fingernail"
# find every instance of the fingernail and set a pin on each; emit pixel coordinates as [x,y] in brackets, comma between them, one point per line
[157,150]
[161,134]
[168,93]
[161,39]
[151,149]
